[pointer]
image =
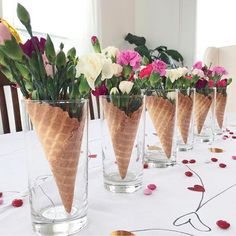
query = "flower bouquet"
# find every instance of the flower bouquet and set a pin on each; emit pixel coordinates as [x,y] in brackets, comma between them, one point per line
[54,105]
[122,105]
[158,84]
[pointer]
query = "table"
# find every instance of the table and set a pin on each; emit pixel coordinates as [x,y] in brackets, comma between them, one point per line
[108,211]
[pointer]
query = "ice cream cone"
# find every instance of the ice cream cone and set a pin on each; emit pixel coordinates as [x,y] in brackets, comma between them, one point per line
[202,106]
[61,138]
[185,107]
[162,113]
[123,130]
[220,108]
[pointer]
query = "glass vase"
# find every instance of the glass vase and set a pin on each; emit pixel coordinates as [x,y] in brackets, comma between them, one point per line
[185,131]
[122,142]
[204,115]
[160,134]
[56,143]
[220,105]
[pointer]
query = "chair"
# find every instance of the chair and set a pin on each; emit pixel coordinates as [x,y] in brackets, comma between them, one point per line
[226,57]
[3,106]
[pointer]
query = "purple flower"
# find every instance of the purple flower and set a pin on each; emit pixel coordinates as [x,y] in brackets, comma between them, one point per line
[28,47]
[129,57]
[201,83]
[102,90]
[159,67]
[198,65]
[218,70]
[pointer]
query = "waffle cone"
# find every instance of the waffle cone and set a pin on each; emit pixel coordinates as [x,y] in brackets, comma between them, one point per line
[202,106]
[61,138]
[185,107]
[220,108]
[162,113]
[123,130]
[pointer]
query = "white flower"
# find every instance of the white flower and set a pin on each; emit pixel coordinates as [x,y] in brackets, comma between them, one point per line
[110,52]
[182,71]
[107,70]
[126,86]
[198,72]
[171,95]
[172,74]
[114,90]
[117,69]
[91,66]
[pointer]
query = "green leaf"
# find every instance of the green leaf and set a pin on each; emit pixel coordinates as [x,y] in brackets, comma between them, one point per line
[71,53]
[50,50]
[23,15]
[133,39]
[71,71]
[143,51]
[12,49]
[164,58]
[8,74]
[161,48]
[60,59]
[229,81]
[23,71]
[83,86]
[175,55]
[153,79]
[145,60]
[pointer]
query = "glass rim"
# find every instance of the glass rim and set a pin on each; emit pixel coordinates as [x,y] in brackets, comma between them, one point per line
[120,95]
[73,101]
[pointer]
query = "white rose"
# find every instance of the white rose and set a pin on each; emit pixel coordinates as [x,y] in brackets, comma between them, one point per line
[182,71]
[114,90]
[126,86]
[91,66]
[107,71]
[172,74]
[117,69]
[198,72]
[110,52]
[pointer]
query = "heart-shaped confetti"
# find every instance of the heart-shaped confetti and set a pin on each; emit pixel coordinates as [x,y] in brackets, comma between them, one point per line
[197,188]
[92,156]
[121,233]
[153,148]
[188,173]
[216,150]
[234,157]
[223,224]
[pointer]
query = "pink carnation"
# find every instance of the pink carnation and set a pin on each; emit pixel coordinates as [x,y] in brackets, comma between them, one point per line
[219,70]
[197,65]
[129,57]
[159,67]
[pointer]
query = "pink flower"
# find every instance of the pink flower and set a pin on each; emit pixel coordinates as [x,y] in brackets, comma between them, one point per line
[94,39]
[210,83]
[102,90]
[221,83]
[129,57]
[146,71]
[4,34]
[159,67]
[47,65]
[219,70]
[197,65]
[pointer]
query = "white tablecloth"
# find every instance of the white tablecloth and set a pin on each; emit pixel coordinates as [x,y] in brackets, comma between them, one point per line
[108,211]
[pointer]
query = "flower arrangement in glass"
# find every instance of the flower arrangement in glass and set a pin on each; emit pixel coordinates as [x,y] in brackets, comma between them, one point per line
[205,80]
[111,75]
[56,107]
[160,84]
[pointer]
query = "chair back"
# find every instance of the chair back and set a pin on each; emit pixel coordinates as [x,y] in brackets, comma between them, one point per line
[3,106]
[226,57]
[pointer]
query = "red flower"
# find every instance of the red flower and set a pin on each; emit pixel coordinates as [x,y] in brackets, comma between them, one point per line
[211,83]
[221,83]
[146,72]
[94,39]
[131,78]
[188,77]
[102,90]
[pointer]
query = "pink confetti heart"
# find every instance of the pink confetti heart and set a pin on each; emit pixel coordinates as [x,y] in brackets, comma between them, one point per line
[234,157]
[197,188]
[92,156]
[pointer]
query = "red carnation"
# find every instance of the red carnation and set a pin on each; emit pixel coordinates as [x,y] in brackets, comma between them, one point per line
[146,72]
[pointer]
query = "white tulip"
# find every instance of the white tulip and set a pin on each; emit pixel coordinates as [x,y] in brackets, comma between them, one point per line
[126,86]
[117,69]
[110,52]
[107,71]
[172,74]
[182,71]
[114,90]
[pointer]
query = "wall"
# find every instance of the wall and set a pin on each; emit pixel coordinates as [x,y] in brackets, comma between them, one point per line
[168,22]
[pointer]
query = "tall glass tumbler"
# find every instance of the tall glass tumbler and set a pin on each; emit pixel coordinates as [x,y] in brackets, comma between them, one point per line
[56,143]
[123,123]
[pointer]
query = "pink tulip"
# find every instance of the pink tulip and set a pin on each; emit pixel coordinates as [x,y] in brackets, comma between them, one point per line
[47,66]
[5,34]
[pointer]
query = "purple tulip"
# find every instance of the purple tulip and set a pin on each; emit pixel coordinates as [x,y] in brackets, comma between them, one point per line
[201,83]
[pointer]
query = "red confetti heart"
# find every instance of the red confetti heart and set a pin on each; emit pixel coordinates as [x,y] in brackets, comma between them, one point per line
[17,203]
[231,132]
[222,165]
[188,173]
[145,165]
[197,188]
[223,224]
[0,194]
[234,137]
[185,161]
[213,159]
[92,156]
[192,161]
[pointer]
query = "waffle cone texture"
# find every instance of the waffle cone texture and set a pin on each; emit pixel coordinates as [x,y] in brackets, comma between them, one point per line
[123,130]
[61,138]
[162,113]
[185,108]
[202,107]
[221,100]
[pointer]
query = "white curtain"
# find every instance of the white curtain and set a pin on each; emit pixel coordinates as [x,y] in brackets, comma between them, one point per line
[71,21]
